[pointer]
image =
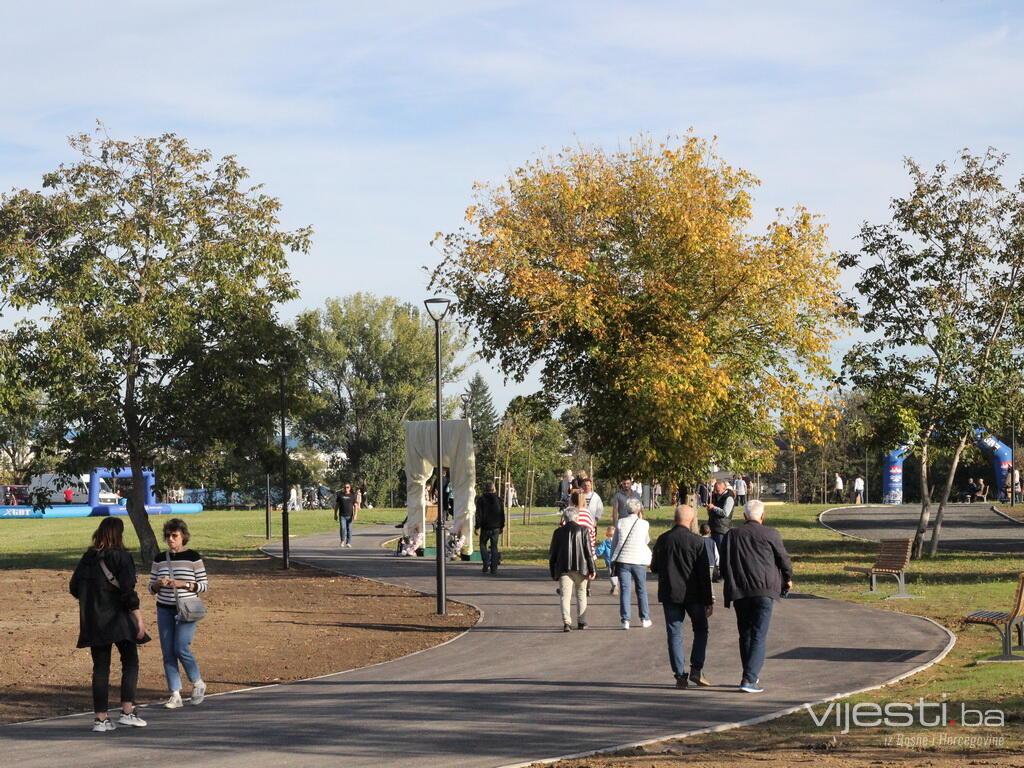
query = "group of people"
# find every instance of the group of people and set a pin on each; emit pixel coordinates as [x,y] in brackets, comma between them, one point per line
[751,559]
[104,583]
[839,490]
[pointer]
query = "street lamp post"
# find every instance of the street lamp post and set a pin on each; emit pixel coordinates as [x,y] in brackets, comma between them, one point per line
[284,480]
[437,308]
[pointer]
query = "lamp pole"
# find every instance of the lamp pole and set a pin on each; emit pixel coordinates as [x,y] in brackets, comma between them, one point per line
[437,308]
[284,480]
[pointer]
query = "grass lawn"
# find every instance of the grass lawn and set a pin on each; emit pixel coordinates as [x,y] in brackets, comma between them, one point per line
[226,534]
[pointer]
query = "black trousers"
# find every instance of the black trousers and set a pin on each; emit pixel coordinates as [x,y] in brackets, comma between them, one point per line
[489,541]
[129,652]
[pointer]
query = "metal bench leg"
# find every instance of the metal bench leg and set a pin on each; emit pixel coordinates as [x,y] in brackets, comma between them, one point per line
[1020,636]
[871,580]
[901,587]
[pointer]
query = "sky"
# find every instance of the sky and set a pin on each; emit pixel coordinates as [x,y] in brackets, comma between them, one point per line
[372,121]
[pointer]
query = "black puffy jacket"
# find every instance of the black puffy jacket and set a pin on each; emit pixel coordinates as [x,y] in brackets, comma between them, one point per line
[103,610]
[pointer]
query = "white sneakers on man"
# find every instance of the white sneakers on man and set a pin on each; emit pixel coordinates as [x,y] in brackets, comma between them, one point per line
[625,624]
[174,701]
[102,726]
[646,623]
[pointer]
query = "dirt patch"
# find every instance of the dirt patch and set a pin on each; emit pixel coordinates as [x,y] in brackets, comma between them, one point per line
[1016,511]
[265,625]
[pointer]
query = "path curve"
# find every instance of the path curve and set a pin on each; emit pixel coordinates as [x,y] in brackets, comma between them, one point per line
[965,527]
[513,689]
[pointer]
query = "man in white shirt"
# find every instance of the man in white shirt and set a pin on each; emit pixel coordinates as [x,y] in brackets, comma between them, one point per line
[594,503]
[858,490]
[837,490]
[739,487]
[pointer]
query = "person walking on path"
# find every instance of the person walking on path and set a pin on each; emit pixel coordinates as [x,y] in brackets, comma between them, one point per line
[108,614]
[858,490]
[624,494]
[720,509]
[757,571]
[684,589]
[178,575]
[594,503]
[630,558]
[346,507]
[490,521]
[571,563]
[740,489]
[838,494]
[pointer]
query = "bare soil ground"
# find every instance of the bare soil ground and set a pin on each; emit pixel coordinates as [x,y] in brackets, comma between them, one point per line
[298,624]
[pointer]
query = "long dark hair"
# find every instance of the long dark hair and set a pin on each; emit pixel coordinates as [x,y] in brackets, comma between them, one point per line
[109,535]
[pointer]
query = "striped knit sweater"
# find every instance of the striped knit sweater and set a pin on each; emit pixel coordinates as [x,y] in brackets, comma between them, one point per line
[185,566]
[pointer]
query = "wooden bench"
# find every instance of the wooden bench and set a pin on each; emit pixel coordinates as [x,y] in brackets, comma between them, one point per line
[893,559]
[1005,622]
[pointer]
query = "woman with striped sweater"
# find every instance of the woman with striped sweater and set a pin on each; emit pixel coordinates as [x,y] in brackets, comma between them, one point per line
[176,575]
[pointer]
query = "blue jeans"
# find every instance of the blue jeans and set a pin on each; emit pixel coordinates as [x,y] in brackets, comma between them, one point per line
[636,575]
[175,644]
[753,617]
[674,615]
[345,531]
[489,555]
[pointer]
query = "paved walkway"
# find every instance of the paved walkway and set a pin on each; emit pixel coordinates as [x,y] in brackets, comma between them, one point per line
[965,527]
[513,689]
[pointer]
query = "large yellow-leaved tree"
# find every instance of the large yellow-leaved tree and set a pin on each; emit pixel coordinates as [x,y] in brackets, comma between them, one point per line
[633,278]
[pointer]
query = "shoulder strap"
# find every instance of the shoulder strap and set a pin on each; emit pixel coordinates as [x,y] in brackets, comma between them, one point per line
[626,540]
[170,574]
[106,572]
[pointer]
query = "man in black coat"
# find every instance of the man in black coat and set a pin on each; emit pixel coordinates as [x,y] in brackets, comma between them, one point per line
[757,571]
[490,521]
[684,589]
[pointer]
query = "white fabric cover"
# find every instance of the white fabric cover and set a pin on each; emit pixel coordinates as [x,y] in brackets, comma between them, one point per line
[458,456]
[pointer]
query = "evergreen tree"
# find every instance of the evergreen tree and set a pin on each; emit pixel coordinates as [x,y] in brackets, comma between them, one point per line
[479,409]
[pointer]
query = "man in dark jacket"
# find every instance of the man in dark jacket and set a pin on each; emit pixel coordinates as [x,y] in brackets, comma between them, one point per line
[757,571]
[720,510]
[571,563]
[684,589]
[490,521]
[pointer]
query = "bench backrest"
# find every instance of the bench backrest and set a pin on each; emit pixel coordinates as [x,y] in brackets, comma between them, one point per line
[1017,610]
[894,554]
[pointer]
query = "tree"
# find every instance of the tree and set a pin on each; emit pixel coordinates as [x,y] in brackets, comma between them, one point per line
[370,368]
[631,277]
[156,273]
[478,407]
[941,285]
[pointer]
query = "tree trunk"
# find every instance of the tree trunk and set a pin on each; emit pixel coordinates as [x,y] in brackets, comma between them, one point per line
[148,545]
[937,526]
[922,523]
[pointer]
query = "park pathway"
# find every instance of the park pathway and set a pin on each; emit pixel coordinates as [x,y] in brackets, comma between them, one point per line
[965,527]
[514,688]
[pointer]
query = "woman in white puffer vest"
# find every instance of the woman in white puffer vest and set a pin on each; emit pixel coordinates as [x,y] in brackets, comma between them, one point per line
[630,557]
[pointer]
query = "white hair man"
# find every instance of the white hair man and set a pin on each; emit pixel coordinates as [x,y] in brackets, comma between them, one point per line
[757,571]
[571,563]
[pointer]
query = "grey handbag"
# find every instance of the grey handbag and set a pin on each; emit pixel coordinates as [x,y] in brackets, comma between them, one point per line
[191,608]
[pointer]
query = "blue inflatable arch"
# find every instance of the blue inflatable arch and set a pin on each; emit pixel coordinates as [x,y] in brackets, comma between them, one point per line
[119,474]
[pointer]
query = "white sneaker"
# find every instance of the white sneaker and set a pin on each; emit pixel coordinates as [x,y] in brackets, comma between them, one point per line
[102,726]
[198,692]
[174,702]
[131,718]
[646,623]
[625,625]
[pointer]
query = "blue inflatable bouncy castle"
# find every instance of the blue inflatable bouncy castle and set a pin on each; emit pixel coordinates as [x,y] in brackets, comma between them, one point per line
[93,508]
[998,453]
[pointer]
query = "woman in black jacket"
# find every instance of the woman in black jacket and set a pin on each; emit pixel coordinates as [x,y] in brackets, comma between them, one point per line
[108,614]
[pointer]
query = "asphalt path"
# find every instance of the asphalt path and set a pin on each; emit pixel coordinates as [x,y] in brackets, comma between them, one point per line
[513,689]
[965,527]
